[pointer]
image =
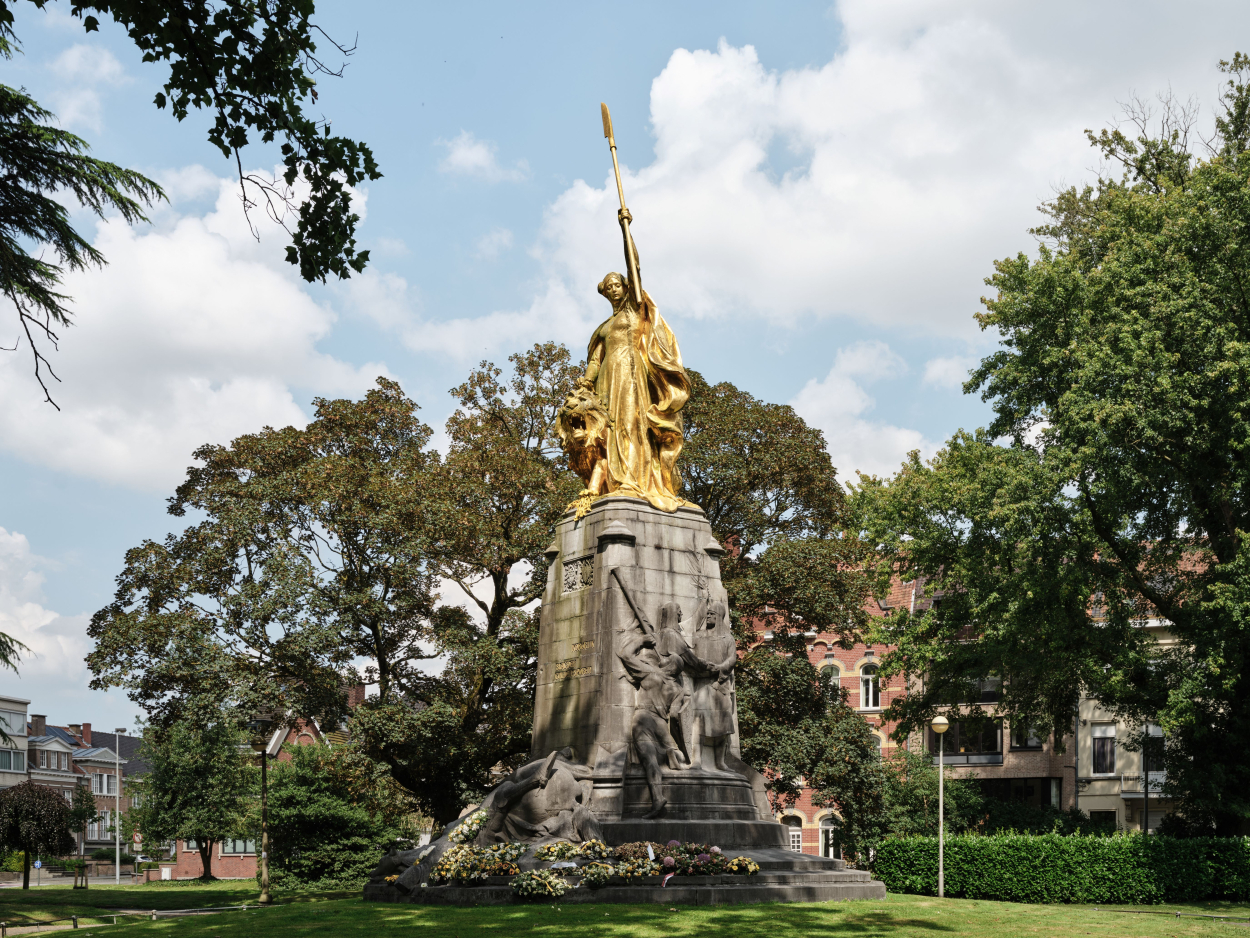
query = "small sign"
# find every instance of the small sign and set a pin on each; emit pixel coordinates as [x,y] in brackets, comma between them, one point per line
[38,864]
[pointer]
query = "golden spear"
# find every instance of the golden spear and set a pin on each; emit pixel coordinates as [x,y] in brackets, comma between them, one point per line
[631,256]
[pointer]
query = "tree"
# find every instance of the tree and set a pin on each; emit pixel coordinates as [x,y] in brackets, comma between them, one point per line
[499,492]
[35,820]
[771,495]
[199,786]
[796,725]
[1118,494]
[254,63]
[330,811]
[82,811]
[321,548]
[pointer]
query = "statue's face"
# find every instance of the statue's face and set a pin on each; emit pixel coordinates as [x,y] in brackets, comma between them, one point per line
[710,617]
[614,290]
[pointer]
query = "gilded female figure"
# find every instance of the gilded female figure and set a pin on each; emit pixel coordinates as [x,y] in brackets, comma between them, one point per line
[634,367]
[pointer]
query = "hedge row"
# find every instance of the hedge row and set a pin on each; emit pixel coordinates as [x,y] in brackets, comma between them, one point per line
[1055,868]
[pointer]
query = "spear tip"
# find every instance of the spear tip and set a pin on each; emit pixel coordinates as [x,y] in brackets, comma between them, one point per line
[607,121]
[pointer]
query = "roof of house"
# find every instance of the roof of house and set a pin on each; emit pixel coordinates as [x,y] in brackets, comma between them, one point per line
[97,752]
[130,745]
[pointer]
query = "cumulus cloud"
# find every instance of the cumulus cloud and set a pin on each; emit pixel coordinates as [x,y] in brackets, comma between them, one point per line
[56,644]
[192,334]
[838,403]
[469,156]
[949,372]
[83,71]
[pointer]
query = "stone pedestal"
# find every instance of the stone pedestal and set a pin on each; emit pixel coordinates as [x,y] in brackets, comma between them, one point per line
[585,699]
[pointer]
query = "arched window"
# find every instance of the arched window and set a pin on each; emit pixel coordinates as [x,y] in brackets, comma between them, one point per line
[869,688]
[831,837]
[794,832]
[832,669]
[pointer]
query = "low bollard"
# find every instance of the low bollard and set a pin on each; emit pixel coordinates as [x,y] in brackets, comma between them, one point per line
[75,919]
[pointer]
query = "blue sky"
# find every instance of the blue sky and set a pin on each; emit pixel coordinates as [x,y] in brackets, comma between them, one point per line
[818,191]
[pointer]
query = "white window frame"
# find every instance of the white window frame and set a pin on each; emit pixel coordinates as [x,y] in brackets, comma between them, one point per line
[1098,732]
[869,688]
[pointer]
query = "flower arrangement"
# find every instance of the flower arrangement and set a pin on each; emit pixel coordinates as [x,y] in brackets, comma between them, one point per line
[594,850]
[743,866]
[636,869]
[638,850]
[538,884]
[466,865]
[560,850]
[507,853]
[467,829]
[597,874]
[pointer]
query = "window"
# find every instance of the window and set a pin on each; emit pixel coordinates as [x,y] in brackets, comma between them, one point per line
[1153,746]
[1025,736]
[970,742]
[830,838]
[1104,748]
[100,829]
[43,758]
[102,784]
[64,761]
[794,828]
[237,846]
[191,845]
[869,688]
[12,760]
[69,795]
[14,723]
[878,742]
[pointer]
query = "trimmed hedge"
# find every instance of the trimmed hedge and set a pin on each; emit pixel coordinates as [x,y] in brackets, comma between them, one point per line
[1054,868]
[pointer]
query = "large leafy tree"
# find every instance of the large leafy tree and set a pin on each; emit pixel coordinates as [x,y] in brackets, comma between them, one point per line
[254,65]
[499,492]
[1111,487]
[35,820]
[316,561]
[199,787]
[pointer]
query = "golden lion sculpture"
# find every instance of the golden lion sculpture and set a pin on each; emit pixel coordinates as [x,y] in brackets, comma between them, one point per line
[582,426]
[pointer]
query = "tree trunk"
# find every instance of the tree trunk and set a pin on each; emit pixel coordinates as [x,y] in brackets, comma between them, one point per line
[25,869]
[206,858]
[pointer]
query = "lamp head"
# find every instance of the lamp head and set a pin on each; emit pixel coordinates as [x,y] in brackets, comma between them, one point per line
[940,725]
[120,731]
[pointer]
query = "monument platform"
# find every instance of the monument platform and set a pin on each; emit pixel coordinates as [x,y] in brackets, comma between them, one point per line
[783,877]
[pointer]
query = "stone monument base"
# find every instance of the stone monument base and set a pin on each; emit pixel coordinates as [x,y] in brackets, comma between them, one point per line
[784,876]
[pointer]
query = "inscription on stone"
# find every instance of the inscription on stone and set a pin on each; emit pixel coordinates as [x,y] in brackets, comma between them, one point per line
[578,573]
[568,668]
[583,646]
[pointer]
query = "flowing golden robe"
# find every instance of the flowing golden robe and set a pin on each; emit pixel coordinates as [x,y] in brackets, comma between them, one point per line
[636,366]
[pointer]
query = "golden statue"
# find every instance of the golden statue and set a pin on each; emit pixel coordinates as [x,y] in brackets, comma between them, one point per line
[621,426]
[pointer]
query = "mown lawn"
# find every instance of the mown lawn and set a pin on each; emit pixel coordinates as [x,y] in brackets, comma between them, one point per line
[97,904]
[895,916]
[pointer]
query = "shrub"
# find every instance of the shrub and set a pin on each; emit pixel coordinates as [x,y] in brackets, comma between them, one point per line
[1054,868]
[107,855]
[539,884]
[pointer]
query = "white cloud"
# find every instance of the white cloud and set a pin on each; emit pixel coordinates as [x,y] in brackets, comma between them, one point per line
[192,334]
[837,406]
[949,372]
[52,673]
[83,71]
[493,243]
[468,156]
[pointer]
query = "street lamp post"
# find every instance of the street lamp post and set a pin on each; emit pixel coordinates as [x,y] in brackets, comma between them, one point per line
[940,726]
[117,816]
[259,726]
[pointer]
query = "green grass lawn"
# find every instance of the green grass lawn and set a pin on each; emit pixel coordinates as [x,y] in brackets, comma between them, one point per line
[895,916]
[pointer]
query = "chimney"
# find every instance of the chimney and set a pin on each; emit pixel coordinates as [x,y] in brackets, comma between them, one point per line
[86,734]
[355,696]
[38,724]
[76,729]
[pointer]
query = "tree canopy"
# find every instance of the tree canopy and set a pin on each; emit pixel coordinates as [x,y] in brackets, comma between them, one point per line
[35,820]
[255,65]
[1110,490]
[199,786]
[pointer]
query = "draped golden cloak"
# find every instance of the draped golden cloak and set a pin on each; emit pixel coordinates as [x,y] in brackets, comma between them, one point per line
[643,386]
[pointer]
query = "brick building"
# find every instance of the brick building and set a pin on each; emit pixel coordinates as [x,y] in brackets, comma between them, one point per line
[1011,764]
